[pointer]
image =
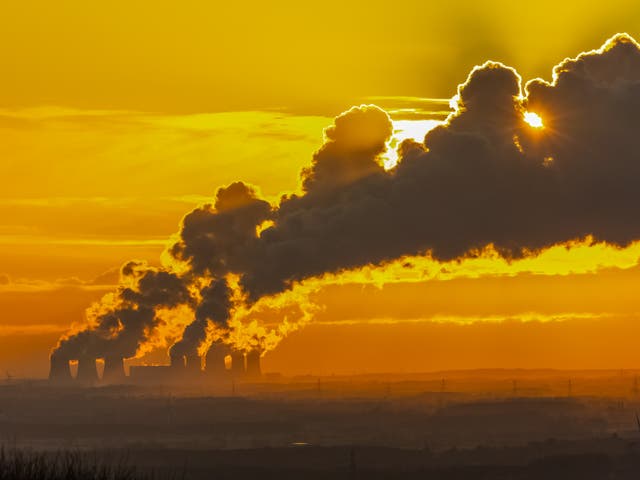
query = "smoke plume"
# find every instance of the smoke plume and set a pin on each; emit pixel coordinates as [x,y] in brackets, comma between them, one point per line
[213,308]
[485,177]
[124,321]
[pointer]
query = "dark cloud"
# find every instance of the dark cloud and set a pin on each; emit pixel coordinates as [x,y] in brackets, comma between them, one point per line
[591,112]
[153,288]
[354,142]
[130,320]
[213,238]
[4,279]
[485,177]
[214,306]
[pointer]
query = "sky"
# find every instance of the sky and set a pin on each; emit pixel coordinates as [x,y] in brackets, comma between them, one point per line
[116,120]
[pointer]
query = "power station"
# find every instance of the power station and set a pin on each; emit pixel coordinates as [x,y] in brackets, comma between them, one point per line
[220,363]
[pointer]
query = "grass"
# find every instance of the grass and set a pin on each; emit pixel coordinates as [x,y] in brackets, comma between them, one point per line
[21,465]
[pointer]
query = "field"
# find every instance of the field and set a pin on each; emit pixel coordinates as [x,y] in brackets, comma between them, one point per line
[484,424]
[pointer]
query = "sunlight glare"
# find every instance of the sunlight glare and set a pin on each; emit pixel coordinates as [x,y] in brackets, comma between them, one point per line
[533,119]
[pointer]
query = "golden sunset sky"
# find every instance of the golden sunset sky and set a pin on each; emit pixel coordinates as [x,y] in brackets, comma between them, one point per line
[117,118]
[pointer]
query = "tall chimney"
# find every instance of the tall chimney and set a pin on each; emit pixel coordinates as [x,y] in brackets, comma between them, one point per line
[253,365]
[87,371]
[215,365]
[60,372]
[113,370]
[237,363]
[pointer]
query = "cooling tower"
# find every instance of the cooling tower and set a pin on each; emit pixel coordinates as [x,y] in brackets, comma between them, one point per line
[113,370]
[87,371]
[253,365]
[177,362]
[60,371]
[194,364]
[215,360]
[237,364]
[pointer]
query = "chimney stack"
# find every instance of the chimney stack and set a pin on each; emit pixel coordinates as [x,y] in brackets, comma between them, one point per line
[253,365]
[113,370]
[87,371]
[60,372]
[237,364]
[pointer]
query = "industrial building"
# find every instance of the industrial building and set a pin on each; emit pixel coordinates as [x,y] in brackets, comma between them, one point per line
[220,363]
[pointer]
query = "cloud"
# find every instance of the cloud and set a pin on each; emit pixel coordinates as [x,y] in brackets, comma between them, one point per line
[484,178]
[70,281]
[352,149]
[102,282]
[214,306]
[110,277]
[124,321]
[211,235]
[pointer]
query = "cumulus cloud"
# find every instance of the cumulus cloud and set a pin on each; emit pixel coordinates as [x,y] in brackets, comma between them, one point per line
[213,238]
[484,177]
[351,151]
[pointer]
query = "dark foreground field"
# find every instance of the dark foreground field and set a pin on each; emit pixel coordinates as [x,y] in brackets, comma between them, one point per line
[598,460]
[484,426]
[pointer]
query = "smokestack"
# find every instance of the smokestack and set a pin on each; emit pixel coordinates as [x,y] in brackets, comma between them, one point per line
[60,371]
[253,365]
[87,371]
[215,360]
[194,364]
[237,364]
[113,370]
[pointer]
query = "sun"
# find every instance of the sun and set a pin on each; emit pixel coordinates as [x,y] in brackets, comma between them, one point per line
[533,119]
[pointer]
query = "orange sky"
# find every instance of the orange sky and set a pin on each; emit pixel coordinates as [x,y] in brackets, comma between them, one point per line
[115,122]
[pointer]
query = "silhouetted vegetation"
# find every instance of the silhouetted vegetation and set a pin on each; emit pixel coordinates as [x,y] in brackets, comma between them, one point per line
[20,465]
[316,463]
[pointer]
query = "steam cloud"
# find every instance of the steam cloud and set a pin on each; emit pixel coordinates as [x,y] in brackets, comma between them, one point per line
[485,177]
[127,319]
